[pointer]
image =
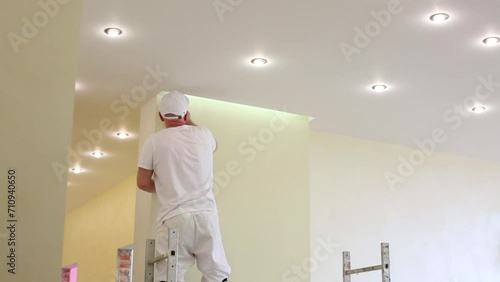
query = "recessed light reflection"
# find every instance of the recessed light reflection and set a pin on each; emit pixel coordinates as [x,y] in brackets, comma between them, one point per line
[97,154]
[113,31]
[379,87]
[76,170]
[122,135]
[439,17]
[479,109]
[493,40]
[259,61]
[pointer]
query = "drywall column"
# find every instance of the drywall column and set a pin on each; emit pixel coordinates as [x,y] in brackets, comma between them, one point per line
[38,62]
[145,205]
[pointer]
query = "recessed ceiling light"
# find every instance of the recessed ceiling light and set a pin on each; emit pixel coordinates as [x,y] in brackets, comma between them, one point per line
[76,170]
[122,135]
[97,154]
[439,17]
[493,40]
[259,61]
[379,87]
[113,31]
[479,109]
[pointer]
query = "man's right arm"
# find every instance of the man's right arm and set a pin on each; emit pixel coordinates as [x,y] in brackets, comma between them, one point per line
[145,181]
[145,168]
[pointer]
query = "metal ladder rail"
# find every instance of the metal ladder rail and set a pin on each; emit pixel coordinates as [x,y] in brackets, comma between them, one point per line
[385,266]
[170,256]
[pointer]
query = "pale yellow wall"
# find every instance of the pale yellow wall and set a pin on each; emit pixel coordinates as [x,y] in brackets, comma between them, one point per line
[94,232]
[37,89]
[262,192]
[442,222]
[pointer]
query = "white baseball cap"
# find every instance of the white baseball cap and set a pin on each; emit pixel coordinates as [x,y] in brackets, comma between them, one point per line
[174,103]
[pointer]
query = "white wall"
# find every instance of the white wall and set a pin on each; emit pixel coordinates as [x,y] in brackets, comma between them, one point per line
[37,78]
[442,223]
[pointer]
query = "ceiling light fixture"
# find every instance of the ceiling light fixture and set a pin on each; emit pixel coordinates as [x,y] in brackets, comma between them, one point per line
[259,61]
[379,87]
[439,17]
[122,135]
[113,31]
[493,40]
[97,154]
[76,170]
[479,109]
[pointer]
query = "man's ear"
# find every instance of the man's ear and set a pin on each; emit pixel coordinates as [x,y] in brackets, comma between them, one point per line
[186,116]
[161,117]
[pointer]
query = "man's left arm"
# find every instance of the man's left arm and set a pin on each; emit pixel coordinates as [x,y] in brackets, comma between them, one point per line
[145,181]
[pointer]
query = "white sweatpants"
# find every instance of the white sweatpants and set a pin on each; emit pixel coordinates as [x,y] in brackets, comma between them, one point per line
[199,240]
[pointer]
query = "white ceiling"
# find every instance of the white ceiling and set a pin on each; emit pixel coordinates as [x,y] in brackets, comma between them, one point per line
[428,67]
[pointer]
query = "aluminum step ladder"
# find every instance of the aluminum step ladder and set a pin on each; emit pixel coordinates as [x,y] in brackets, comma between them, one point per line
[171,256]
[385,266]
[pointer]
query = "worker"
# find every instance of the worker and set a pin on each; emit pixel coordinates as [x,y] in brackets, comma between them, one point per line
[176,163]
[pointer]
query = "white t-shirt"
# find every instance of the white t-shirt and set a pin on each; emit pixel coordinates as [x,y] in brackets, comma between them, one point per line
[182,160]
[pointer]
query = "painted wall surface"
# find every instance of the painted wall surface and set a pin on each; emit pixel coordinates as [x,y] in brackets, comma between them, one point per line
[261,186]
[95,231]
[442,222]
[38,62]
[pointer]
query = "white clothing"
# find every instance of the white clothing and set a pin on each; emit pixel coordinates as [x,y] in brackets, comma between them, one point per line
[200,240]
[182,160]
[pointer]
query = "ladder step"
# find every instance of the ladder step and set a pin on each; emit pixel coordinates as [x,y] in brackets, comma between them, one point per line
[157,259]
[364,269]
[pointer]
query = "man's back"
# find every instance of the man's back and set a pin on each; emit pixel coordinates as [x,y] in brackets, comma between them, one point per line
[182,159]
